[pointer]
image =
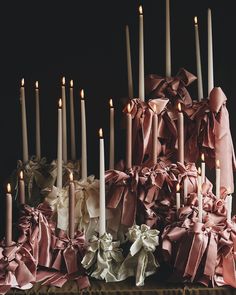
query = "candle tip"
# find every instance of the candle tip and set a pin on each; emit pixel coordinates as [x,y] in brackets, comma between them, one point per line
[203,157]
[37,84]
[100,133]
[111,102]
[177,187]
[199,171]
[71,83]
[21,175]
[140,9]
[8,187]
[60,103]
[71,176]
[195,20]
[179,107]
[217,164]
[63,81]
[82,93]
[129,108]
[22,82]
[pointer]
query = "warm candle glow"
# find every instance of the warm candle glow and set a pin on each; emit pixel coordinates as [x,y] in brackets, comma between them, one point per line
[199,171]
[140,10]
[100,133]
[37,84]
[195,20]
[217,164]
[71,176]
[22,82]
[111,103]
[8,187]
[82,93]
[129,107]
[177,187]
[60,103]
[71,83]
[63,81]
[203,157]
[21,175]
[179,107]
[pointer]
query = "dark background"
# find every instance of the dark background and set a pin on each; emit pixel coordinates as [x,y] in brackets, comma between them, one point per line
[85,41]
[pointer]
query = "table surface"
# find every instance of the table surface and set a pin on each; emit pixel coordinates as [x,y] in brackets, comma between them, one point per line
[152,286]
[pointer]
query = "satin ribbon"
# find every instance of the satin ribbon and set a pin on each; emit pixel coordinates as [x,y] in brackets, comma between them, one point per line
[188,173]
[140,261]
[103,258]
[173,88]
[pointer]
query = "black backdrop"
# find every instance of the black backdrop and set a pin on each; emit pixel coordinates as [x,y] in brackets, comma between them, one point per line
[85,41]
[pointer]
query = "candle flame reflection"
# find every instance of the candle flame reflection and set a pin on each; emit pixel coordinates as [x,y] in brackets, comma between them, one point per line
[179,107]
[60,103]
[21,175]
[71,83]
[195,20]
[82,93]
[71,176]
[22,82]
[203,157]
[111,103]
[217,164]
[177,187]
[100,133]
[140,10]
[8,187]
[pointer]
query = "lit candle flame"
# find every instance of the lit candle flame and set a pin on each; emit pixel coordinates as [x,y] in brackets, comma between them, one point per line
[217,164]
[82,93]
[8,187]
[177,187]
[179,107]
[71,176]
[71,83]
[37,84]
[63,81]
[195,20]
[111,103]
[203,157]
[154,108]
[199,171]
[140,9]
[21,175]
[100,133]
[129,107]
[60,103]
[22,82]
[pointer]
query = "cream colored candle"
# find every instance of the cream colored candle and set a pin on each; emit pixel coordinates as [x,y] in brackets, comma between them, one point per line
[8,228]
[168,44]
[154,136]
[64,121]
[59,146]
[198,61]
[24,123]
[37,118]
[128,138]
[141,56]
[72,123]
[84,173]
[229,207]
[71,207]
[112,136]
[199,195]
[210,53]
[180,135]
[129,63]
[185,190]
[177,197]
[102,200]
[203,168]
[21,184]
[218,179]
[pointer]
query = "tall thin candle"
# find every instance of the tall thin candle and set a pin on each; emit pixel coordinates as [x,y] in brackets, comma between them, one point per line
[112,137]
[198,61]
[203,168]
[37,118]
[128,138]
[72,123]
[21,184]
[180,134]
[141,56]
[8,230]
[24,122]
[177,197]
[154,134]
[59,146]
[71,207]
[199,195]
[168,44]
[218,179]
[229,207]
[84,173]
[210,53]
[64,121]
[129,63]
[102,201]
